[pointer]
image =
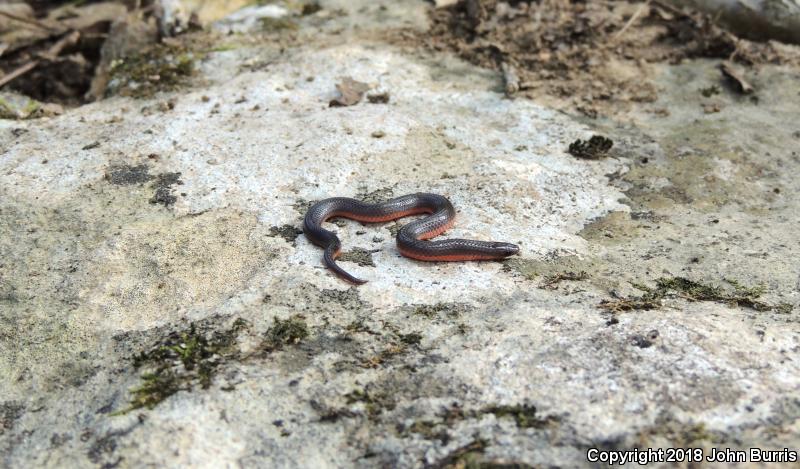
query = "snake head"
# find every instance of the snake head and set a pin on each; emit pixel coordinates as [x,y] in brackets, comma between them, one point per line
[506,249]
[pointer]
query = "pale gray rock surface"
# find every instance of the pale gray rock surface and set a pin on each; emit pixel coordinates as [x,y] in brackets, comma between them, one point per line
[152,252]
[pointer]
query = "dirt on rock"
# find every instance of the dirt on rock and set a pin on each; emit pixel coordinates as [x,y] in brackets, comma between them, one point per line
[591,56]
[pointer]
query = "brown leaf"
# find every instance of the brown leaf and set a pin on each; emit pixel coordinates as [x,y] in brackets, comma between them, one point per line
[351,92]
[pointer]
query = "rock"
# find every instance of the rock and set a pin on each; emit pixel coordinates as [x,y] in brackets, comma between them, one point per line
[160,307]
[17,106]
[250,18]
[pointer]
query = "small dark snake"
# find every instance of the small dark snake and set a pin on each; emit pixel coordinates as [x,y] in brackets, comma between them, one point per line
[411,237]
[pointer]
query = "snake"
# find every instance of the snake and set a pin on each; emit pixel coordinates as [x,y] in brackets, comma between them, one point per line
[412,239]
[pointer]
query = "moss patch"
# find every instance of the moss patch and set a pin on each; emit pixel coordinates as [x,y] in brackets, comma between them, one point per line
[269,24]
[362,257]
[551,281]
[347,299]
[14,106]
[413,338]
[287,232]
[163,189]
[439,309]
[359,325]
[386,354]
[285,332]
[429,429]
[155,387]
[374,402]
[554,271]
[595,148]
[126,175]
[376,196]
[158,68]
[182,361]
[679,434]
[524,415]
[690,290]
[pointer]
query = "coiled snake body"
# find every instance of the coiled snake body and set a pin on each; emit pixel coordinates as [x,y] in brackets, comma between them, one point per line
[411,237]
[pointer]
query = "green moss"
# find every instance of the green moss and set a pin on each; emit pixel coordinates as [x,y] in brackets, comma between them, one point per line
[362,257]
[551,281]
[155,388]
[181,361]
[679,434]
[413,338]
[158,68]
[554,271]
[384,355]
[285,332]
[283,23]
[31,107]
[524,415]
[6,111]
[432,311]
[692,291]
[695,433]
[224,47]
[688,289]
[287,232]
[374,402]
[645,302]
[18,107]
[238,326]
[426,428]
[358,325]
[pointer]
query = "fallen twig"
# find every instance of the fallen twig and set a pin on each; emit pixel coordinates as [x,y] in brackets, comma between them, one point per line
[30,21]
[633,18]
[51,54]
[739,83]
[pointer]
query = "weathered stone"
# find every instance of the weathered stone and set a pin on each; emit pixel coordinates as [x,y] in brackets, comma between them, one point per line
[202,330]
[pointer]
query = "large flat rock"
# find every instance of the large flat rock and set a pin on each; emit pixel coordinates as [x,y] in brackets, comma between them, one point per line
[159,306]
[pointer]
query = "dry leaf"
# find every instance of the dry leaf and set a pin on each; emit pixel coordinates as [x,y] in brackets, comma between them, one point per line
[351,92]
